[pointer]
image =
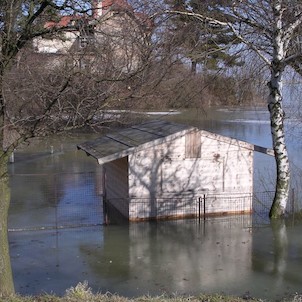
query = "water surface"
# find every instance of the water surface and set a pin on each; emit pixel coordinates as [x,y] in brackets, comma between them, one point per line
[232,255]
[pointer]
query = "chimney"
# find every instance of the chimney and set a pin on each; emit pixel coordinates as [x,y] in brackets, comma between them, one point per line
[97,9]
[114,5]
[107,4]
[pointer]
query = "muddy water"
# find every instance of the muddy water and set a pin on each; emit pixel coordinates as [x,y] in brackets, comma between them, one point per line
[229,255]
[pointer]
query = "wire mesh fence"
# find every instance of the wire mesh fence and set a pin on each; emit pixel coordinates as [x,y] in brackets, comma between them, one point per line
[261,206]
[52,201]
[262,202]
[65,200]
[173,207]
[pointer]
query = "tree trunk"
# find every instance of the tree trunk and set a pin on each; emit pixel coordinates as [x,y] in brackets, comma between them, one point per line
[6,278]
[278,136]
[277,116]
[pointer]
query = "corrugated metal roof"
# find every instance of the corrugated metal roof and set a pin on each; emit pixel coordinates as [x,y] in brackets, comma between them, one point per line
[124,142]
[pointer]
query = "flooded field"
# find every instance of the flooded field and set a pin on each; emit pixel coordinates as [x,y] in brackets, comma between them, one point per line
[232,255]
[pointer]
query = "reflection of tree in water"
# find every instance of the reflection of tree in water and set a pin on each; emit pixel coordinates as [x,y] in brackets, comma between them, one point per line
[41,185]
[278,252]
[112,259]
[170,256]
[36,191]
[280,246]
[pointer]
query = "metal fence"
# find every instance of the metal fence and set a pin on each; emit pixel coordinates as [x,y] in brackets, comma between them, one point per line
[65,200]
[205,205]
[262,202]
[53,201]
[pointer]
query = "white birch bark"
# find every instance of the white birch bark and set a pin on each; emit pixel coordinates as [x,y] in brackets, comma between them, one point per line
[278,30]
[275,106]
[279,145]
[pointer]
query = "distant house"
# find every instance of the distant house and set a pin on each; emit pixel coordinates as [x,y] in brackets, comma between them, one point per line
[104,33]
[161,170]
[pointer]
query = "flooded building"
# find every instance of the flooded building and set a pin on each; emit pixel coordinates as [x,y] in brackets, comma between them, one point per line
[159,170]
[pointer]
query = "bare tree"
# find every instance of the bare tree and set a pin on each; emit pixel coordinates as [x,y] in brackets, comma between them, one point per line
[20,22]
[62,68]
[270,29]
[46,92]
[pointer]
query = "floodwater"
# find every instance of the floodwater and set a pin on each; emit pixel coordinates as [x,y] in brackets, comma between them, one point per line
[229,255]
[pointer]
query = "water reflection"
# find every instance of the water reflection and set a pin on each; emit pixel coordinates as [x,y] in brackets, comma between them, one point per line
[277,256]
[50,261]
[182,257]
[221,255]
[47,188]
[135,259]
[186,257]
[172,257]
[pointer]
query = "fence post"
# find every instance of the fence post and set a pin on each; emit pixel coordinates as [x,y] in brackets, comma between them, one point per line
[12,157]
[56,201]
[204,206]
[199,208]
[293,201]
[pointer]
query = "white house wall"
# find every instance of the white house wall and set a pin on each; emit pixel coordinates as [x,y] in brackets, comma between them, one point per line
[164,169]
[163,174]
[122,45]
[237,164]
[59,44]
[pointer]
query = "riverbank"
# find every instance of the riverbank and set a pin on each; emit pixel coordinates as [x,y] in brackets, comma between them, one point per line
[114,298]
[83,293]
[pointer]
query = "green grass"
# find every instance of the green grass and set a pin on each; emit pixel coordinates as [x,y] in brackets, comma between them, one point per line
[82,293]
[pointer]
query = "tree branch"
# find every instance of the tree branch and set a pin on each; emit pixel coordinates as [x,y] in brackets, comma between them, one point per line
[213,21]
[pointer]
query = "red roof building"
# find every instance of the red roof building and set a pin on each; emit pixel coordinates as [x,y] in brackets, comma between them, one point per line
[83,29]
[65,21]
[100,7]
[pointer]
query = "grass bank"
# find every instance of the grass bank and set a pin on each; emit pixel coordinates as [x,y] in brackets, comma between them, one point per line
[114,298]
[82,293]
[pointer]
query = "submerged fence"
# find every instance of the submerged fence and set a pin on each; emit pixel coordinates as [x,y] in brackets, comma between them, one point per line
[53,201]
[171,207]
[262,202]
[65,200]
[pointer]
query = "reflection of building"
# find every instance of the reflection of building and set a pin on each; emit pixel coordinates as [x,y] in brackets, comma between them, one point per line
[106,32]
[193,258]
[174,257]
[161,169]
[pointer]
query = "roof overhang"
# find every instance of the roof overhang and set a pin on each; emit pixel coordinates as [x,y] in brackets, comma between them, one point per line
[126,141]
[116,145]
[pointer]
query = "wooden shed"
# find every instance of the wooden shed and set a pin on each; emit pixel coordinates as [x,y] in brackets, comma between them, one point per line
[161,169]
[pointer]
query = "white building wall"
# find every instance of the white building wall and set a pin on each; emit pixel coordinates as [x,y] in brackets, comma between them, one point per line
[161,174]
[60,45]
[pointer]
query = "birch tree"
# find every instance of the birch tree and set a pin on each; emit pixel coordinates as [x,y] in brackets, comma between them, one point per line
[270,29]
